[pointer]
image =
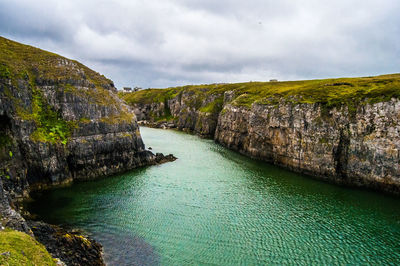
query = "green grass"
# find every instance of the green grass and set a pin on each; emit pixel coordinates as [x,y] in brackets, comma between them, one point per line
[24,62]
[31,66]
[150,95]
[50,126]
[213,107]
[350,92]
[18,60]
[4,72]
[23,250]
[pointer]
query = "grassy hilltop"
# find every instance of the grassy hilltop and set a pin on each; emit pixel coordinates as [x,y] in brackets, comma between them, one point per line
[329,92]
[28,73]
[20,61]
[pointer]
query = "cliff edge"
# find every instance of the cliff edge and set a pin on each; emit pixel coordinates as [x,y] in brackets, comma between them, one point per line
[345,131]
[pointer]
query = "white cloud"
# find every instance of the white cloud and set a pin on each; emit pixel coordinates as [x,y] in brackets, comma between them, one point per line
[165,43]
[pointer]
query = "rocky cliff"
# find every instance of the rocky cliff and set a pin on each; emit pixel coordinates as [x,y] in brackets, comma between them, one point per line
[186,111]
[359,149]
[344,131]
[59,121]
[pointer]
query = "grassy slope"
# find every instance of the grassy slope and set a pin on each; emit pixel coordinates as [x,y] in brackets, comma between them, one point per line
[18,60]
[23,62]
[329,92]
[24,250]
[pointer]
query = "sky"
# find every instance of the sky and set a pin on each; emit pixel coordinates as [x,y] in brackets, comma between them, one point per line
[149,43]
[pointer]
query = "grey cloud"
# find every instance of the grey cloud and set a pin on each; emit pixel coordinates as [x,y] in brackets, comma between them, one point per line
[28,20]
[177,42]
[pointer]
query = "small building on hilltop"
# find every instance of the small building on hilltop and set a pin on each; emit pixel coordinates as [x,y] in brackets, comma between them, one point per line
[127,89]
[273,80]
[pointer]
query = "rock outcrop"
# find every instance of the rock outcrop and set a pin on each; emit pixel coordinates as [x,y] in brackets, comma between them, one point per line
[59,121]
[343,132]
[60,126]
[72,248]
[187,111]
[360,149]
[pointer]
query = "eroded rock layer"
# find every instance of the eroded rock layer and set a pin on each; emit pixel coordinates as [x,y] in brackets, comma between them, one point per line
[59,121]
[360,148]
[343,131]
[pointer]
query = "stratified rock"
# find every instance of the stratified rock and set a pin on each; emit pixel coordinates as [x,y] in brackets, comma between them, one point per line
[357,149]
[181,112]
[61,121]
[345,132]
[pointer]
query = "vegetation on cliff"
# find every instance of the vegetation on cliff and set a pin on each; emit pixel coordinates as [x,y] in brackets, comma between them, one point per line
[17,248]
[25,67]
[19,61]
[329,92]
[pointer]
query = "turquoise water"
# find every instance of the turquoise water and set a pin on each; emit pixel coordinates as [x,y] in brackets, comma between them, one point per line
[214,206]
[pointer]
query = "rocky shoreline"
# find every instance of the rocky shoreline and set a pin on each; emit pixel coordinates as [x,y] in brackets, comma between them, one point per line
[70,247]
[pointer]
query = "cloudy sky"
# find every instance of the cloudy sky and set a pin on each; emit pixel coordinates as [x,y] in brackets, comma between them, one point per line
[163,43]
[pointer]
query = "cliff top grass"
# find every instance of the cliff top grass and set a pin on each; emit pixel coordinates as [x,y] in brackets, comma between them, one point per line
[330,92]
[34,67]
[17,248]
[19,61]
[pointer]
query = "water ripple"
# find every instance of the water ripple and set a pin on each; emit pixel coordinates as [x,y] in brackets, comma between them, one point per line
[215,207]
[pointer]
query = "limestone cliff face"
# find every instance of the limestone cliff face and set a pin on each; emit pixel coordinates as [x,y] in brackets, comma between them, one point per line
[60,121]
[358,147]
[186,111]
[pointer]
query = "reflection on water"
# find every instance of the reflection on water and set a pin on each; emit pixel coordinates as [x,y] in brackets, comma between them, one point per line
[213,206]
